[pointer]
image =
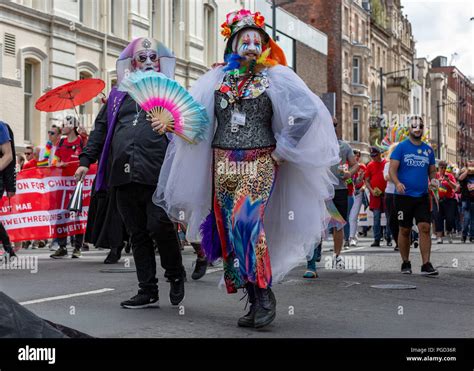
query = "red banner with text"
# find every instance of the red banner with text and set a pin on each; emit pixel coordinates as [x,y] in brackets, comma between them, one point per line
[38,209]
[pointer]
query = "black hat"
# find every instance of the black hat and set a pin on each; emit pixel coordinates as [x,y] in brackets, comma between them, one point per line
[374,151]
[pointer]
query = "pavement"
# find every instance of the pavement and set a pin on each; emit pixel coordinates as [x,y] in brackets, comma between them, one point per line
[339,304]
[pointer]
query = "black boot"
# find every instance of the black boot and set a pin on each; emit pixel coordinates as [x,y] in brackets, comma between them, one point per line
[114,255]
[249,319]
[199,269]
[266,307]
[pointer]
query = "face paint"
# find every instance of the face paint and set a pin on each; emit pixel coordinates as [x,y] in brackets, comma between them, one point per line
[146,60]
[416,129]
[249,44]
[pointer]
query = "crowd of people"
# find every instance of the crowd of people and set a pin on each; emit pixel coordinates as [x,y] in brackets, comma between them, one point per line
[260,112]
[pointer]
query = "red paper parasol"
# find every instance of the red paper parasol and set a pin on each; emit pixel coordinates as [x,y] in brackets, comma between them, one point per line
[69,95]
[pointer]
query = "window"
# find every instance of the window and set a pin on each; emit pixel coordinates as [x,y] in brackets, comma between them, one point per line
[356,70]
[210,35]
[356,28]
[85,110]
[346,20]
[355,123]
[28,84]
[112,16]
[81,11]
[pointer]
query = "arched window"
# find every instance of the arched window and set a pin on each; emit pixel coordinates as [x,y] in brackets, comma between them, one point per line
[210,35]
[178,28]
[32,63]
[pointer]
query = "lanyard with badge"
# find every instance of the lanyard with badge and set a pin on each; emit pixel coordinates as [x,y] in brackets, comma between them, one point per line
[238,117]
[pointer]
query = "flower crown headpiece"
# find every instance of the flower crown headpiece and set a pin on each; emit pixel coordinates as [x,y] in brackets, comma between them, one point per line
[235,21]
[238,20]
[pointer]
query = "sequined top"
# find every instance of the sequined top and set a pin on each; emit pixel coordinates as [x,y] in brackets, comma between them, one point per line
[255,130]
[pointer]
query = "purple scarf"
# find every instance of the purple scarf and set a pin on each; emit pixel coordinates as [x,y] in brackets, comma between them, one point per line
[114,102]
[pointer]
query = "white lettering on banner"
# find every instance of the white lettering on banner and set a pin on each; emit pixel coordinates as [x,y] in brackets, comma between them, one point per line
[40,218]
[51,184]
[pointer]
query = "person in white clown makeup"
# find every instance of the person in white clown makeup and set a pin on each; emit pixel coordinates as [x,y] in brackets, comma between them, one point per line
[263,169]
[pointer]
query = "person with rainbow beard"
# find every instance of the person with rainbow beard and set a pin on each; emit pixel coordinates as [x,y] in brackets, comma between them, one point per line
[254,189]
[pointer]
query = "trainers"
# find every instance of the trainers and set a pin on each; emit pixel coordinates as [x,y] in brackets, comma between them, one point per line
[346,244]
[310,274]
[352,242]
[142,300]
[85,247]
[396,248]
[54,246]
[76,254]
[376,243]
[406,267]
[428,270]
[310,269]
[389,243]
[450,238]
[439,241]
[338,263]
[463,239]
[176,290]
[59,253]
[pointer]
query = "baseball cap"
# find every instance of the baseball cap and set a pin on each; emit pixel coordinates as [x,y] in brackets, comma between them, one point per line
[374,151]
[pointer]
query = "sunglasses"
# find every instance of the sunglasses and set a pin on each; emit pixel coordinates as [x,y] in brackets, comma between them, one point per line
[414,126]
[51,132]
[28,153]
[144,56]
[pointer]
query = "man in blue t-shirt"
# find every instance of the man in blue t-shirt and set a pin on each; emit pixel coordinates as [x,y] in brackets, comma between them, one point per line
[412,166]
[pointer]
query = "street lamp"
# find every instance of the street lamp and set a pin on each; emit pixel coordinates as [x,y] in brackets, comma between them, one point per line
[382,74]
[275,5]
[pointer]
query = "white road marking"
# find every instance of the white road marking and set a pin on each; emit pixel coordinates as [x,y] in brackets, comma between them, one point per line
[353,249]
[212,270]
[60,297]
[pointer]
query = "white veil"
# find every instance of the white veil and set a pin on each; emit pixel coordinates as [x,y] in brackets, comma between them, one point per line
[296,214]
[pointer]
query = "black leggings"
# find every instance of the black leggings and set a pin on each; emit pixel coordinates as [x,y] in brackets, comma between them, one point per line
[447,211]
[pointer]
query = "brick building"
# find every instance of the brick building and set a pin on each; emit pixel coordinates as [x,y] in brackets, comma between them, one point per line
[463,88]
[363,37]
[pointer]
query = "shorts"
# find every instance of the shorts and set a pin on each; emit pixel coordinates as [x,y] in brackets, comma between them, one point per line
[412,207]
[341,201]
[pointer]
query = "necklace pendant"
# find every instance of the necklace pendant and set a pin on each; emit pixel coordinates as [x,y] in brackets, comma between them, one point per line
[224,103]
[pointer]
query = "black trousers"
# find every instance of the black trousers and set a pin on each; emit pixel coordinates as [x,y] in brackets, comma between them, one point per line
[391,213]
[4,237]
[146,222]
[76,241]
[447,211]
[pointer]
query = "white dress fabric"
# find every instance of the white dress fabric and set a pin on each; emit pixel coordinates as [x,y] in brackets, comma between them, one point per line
[296,214]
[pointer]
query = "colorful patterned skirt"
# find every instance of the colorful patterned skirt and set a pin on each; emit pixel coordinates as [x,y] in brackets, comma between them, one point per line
[243,183]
